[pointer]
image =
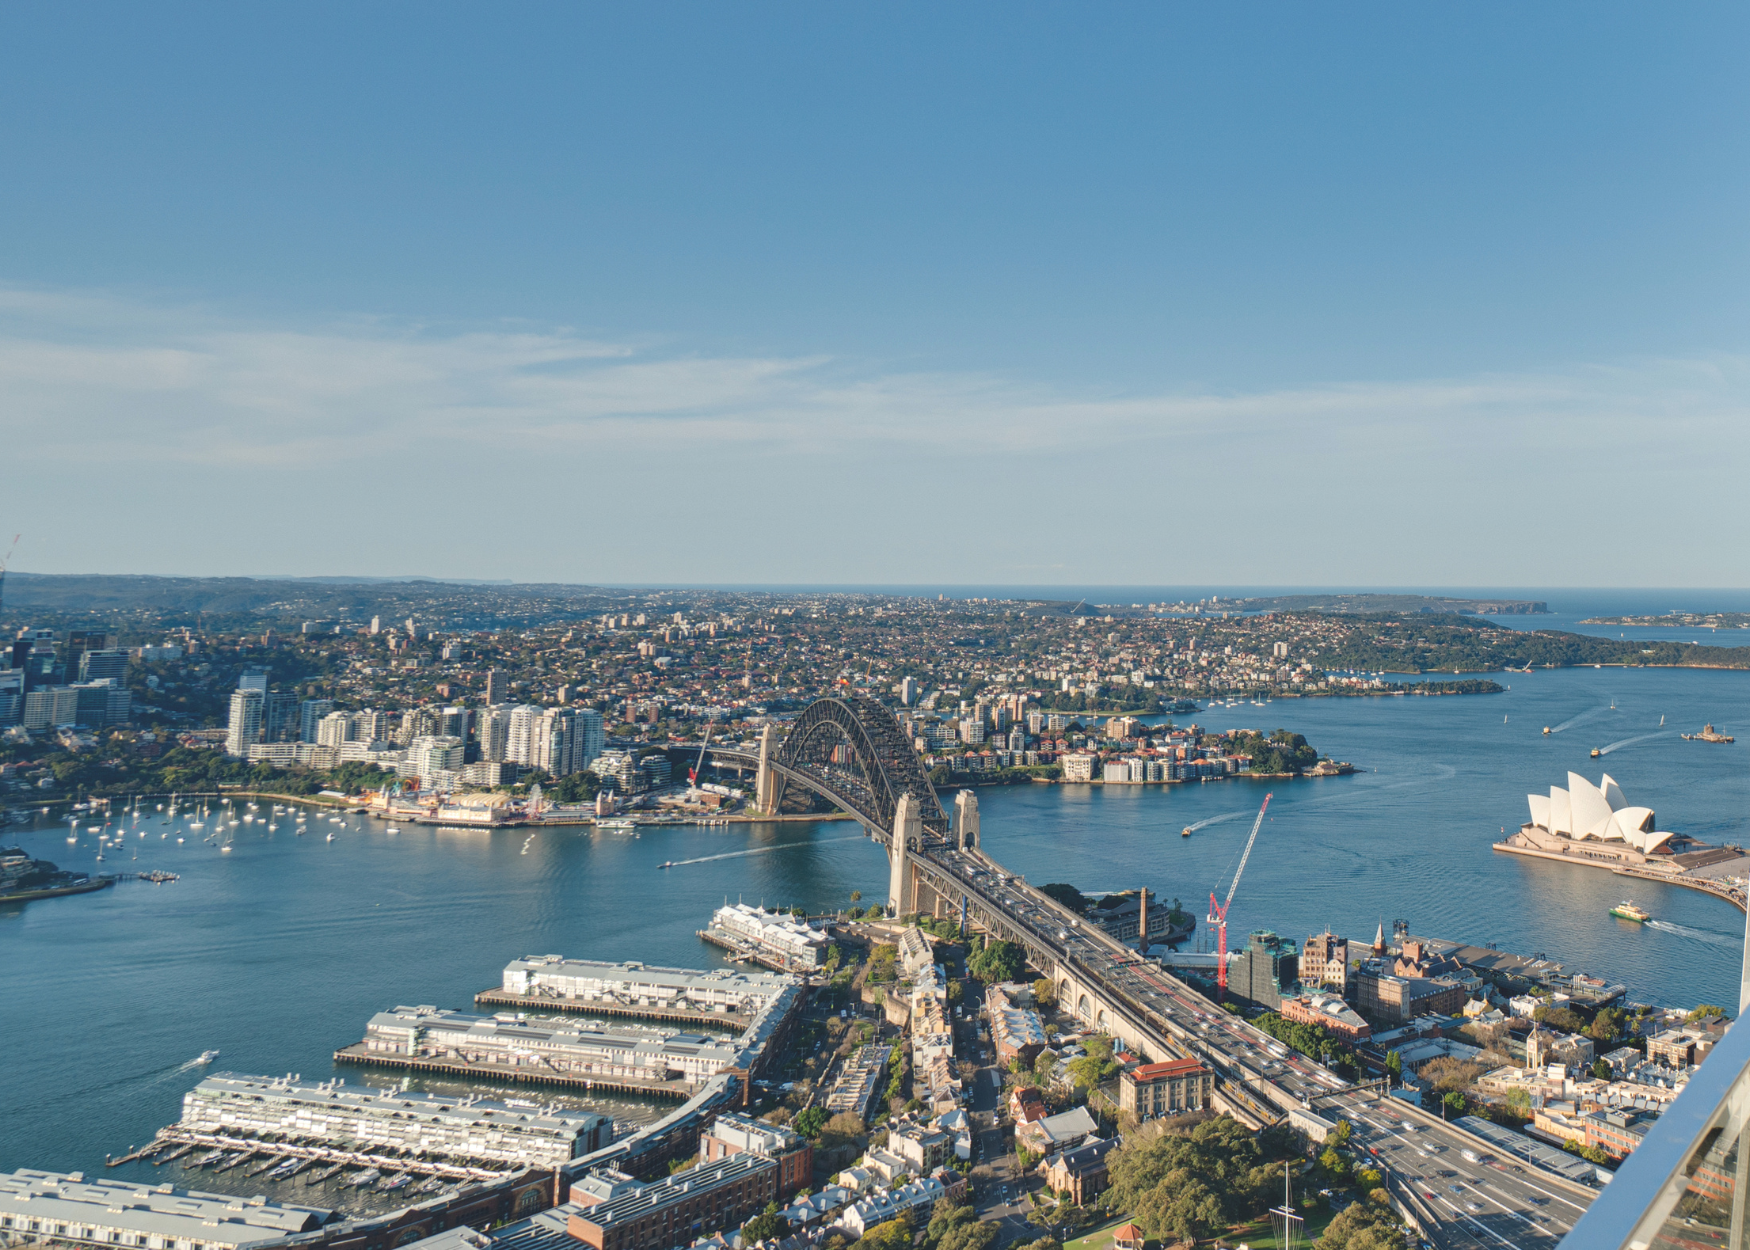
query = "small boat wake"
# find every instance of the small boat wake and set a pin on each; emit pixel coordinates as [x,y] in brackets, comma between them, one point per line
[1700,935]
[1216,820]
[1629,742]
[1583,716]
[758,850]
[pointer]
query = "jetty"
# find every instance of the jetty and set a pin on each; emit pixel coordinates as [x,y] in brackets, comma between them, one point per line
[359,1053]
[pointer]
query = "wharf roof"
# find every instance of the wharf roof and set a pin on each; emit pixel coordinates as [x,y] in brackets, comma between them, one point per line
[160,1210]
[758,983]
[234,1086]
[557,1032]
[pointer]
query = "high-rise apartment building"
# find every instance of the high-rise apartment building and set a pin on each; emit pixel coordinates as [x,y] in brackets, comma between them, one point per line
[376,624]
[908,691]
[279,716]
[492,727]
[244,728]
[519,743]
[310,714]
[497,687]
[253,679]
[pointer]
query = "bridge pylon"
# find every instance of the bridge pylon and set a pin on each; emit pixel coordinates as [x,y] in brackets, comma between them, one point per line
[966,820]
[766,790]
[908,831]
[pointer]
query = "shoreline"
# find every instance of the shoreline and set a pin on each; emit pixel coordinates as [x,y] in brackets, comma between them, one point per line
[1703,885]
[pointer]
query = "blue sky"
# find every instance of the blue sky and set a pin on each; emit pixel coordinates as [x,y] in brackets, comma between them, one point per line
[1145,294]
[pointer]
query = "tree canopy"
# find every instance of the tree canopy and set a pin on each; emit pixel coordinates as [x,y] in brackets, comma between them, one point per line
[998,961]
[1192,1183]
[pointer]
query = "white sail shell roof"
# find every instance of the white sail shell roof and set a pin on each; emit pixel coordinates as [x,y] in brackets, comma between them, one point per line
[1602,813]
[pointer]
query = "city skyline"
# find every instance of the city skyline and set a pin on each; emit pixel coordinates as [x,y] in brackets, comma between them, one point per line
[1360,296]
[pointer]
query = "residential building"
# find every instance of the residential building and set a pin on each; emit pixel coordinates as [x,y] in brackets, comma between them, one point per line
[731,1133]
[497,687]
[244,727]
[919,1197]
[860,1081]
[428,757]
[310,716]
[1078,766]
[1016,1032]
[1151,1090]
[923,1148]
[676,1210]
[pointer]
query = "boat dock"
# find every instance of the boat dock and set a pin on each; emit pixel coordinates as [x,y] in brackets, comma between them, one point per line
[279,1152]
[359,1053]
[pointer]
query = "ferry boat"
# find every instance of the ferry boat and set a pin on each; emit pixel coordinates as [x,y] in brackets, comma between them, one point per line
[1627,910]
[1596,752]
[1185,832]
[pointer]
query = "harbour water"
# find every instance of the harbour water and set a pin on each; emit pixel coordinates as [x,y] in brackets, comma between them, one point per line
[277,952]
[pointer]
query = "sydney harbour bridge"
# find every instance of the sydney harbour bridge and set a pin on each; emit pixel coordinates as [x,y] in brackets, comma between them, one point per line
[850,750]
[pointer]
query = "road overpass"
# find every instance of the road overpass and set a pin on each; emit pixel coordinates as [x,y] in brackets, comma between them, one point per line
[1455,1186]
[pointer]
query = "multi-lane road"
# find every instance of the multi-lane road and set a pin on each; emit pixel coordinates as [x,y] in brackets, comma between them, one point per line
[1451,1182]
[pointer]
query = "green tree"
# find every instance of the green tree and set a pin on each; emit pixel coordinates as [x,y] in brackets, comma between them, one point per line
[810,1121]
[768,1225]
[1394,1065]
[1601,1069]
[1043,994]
[998,961]
[1068,895]
[1364,1227]
[893,1235]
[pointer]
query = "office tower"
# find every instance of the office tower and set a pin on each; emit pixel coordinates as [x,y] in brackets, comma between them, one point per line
[244,728]
[310,714]
[253,679]
[497,687]
[79,642]
[94,665]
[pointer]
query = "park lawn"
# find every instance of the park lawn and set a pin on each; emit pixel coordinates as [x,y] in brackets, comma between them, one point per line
[1257,1234]
[1099,1239]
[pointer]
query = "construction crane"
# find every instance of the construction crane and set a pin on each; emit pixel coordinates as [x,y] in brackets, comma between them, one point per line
[3,564]
[699,764]
[1218,911]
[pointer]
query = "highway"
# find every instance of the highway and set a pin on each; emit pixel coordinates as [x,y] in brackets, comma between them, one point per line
[1451,1182]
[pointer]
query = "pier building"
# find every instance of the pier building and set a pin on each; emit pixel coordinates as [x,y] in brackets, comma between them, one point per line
[64,1207]
[773,939]
[635,987]
[547,1048]
[331,1113]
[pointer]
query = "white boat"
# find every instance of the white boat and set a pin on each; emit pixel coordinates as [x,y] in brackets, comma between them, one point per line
[207,1056]
[226,848]
[330,837]
[393,829]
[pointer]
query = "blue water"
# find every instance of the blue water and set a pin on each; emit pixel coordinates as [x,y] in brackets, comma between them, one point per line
[278,952]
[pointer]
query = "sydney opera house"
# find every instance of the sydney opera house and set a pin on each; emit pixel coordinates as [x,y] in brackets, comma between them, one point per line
[1599,818]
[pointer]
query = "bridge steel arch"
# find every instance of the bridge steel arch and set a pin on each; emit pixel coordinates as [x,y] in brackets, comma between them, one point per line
[852,751]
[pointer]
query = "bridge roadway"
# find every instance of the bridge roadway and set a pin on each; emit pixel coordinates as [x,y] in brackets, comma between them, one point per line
[1454,1185]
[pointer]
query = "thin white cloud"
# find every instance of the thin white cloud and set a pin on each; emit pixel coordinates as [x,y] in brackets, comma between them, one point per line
[87,377]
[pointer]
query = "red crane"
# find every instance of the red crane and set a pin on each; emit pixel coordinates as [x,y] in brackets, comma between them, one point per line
[699,764]
[1218,911]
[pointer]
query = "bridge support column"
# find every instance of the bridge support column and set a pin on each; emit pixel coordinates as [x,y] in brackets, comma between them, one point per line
[908,827]
[765,792]
[966,820]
